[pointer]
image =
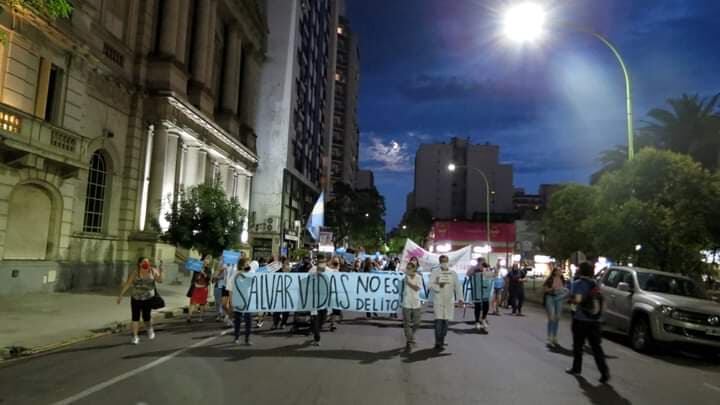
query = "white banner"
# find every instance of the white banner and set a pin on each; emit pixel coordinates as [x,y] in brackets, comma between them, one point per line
[459,260]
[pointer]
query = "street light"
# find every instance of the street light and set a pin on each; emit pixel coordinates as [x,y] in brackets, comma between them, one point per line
[525,22]
[367,215]
[404,227]
[451,167]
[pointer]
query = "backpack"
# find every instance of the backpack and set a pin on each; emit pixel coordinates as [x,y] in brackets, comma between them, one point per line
[593,302]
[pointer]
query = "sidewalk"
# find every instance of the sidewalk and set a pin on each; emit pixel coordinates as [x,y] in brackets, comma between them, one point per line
[43,321]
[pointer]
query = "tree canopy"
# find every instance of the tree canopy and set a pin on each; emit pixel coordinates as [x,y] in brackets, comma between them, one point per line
[204,219]
[658,210]
[356,216]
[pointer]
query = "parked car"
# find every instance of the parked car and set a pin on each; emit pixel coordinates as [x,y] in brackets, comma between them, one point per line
[652,306]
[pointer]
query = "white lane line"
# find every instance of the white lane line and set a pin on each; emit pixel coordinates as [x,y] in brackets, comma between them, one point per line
[131,373]
[712,387]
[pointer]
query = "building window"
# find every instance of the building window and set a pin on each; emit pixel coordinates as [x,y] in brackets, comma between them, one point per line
[49,92]
[95,194]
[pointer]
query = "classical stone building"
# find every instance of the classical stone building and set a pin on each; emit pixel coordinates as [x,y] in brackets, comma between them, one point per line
[294,122]
[105,116]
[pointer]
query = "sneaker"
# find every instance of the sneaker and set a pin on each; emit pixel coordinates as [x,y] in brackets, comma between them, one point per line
[248,342]
[151,333]
[332,327]
[135,340]
[484,324]
[259,324]
[315,343]
[477,325]
[237,341]
[438,347]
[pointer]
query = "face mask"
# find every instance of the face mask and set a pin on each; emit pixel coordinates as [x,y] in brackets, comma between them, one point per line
[145,265]
[444,266]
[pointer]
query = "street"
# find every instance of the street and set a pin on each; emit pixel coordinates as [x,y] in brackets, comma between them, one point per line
[360,363]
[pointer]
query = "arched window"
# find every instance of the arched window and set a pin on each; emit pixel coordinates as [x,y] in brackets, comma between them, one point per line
[95,195]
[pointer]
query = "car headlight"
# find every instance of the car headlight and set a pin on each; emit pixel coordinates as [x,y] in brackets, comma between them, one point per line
[666,310]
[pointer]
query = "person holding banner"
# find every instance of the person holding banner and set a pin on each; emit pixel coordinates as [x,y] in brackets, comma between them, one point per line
[280,318]
[446,290]
[481,279]
[240,317]
[411,306]
[317,317]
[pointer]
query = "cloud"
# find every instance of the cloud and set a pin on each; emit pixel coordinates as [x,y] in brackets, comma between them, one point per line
[431,87]
[390,156]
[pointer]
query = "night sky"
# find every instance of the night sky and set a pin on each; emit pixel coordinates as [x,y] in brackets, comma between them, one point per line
[433,69]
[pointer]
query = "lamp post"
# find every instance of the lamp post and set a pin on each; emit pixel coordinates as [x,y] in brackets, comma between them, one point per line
[451,167]
[525,22]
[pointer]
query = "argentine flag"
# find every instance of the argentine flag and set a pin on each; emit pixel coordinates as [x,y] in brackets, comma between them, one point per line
[317,217]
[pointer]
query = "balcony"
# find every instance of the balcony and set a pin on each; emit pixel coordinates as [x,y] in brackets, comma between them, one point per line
[23,135]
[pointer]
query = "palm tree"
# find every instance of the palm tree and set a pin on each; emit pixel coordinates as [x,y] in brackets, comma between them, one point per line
[614,159]
[691,126]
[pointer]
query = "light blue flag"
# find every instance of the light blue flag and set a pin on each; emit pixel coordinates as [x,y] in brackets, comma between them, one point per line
[317,217]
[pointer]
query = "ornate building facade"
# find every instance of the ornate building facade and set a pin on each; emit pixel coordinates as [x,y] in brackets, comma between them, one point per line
[105,116]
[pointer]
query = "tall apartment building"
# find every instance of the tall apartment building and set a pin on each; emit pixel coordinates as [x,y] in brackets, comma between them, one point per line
[105,116]
[346,134]
[364,180]
[295,122]
[461,194]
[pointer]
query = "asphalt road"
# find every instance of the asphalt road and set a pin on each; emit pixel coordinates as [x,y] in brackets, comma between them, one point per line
[360,363]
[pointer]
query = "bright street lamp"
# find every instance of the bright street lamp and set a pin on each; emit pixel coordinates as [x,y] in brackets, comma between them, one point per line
[404,227]
[451,167]
[525,22]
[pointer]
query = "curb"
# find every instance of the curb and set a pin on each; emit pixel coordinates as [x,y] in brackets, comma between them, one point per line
[13,353]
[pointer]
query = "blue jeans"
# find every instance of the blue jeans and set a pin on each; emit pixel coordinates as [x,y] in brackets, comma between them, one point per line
[241,317]
[217,292]
[553,307]
[441,330]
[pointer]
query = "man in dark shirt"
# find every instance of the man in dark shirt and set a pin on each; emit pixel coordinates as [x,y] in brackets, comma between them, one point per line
[516,288]
[586,325]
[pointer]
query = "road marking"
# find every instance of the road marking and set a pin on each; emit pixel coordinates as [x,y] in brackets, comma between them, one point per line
[712,387]
[131,373]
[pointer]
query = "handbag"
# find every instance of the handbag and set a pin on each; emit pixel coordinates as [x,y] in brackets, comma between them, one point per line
[157,302]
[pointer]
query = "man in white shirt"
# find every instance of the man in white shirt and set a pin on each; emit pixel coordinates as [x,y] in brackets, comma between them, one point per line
[411,306]
[446,290]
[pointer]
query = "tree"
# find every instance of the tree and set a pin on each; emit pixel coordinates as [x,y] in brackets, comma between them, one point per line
[691,126]
[662,203]
[417,224]
[368,226]
[204,219]
[340,211]
[564,225]
[50,9]
[357,215]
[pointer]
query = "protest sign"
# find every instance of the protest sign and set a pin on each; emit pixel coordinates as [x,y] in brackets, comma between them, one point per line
[459,260]
[193,265]
[306,292]
[231,257]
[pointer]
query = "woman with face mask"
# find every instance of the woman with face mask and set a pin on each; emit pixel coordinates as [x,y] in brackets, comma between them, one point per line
[143,283]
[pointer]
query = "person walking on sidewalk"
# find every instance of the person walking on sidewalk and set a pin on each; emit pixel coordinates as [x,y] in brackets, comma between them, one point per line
[238,315]
[516,286]
[143,282]
[555,295]
[481,278]
[586,321]
[218,280]
[411,306]
[199,295]
[446,290]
